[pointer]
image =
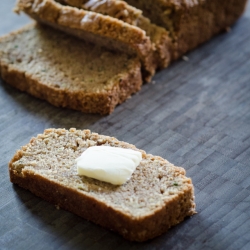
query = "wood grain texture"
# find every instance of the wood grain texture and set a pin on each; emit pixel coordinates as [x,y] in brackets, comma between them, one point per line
[196,114]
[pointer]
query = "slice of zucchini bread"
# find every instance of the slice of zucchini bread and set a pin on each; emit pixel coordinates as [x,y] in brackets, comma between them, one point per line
[157,196]
[66,71]
[125,12]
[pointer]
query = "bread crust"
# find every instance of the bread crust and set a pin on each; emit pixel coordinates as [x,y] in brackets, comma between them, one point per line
[102,102]
[84,204]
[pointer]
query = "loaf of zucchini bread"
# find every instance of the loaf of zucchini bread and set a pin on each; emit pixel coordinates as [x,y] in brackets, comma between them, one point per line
[170,29]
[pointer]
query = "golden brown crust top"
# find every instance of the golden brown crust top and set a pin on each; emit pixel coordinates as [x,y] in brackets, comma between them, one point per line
[81,19]
[114,8]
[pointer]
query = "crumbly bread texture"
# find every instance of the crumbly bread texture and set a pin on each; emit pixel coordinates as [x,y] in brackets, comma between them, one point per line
[66,71]
[157,196]
[191,22]
[96,28]
[123,11]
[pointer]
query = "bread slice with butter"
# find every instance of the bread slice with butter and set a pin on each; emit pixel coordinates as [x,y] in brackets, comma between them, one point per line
[66,71]
[157,196]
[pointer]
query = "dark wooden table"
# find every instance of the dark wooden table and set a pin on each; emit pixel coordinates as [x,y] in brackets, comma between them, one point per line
[196,114]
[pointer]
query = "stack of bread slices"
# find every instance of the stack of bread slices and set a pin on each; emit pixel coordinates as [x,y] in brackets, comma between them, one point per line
[91,55]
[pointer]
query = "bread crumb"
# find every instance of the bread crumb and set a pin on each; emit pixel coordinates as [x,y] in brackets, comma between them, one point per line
[185,58]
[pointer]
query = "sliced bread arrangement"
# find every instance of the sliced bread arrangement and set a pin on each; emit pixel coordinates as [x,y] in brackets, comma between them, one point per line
[156,197]
[156,32]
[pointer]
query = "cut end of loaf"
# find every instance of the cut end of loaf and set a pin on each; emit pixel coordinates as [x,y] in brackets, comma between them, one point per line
[157,196]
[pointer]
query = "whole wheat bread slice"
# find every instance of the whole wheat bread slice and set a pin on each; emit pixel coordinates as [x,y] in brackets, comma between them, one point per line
[157,196]
[96,28]
[66,71]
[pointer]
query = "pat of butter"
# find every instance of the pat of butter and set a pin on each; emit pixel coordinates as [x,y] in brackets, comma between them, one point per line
[109,164]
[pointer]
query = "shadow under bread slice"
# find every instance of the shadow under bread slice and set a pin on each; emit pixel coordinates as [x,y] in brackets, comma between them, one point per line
[157,196]
[66,71]
[96,28]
